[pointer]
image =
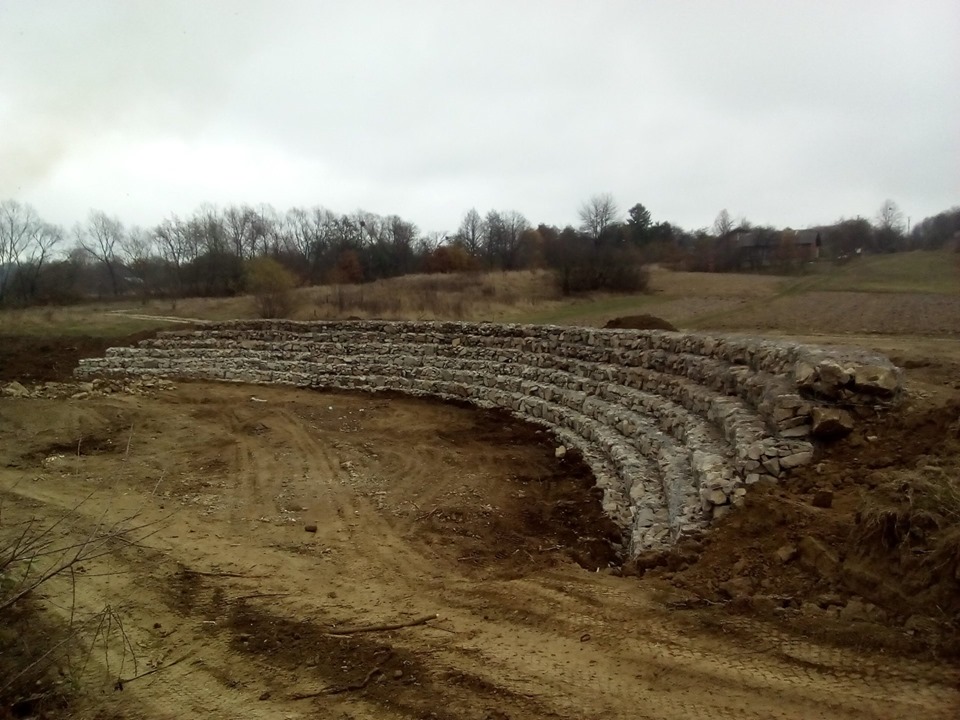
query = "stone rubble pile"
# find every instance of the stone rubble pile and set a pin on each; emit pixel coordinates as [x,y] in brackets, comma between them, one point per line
[98,387]
[674,425]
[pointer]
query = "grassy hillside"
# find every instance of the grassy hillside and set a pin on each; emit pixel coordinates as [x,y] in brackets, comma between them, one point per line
[915,272]
[766,302]
[870,294]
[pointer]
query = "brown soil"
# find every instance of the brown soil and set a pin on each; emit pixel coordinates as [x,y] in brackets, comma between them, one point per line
[640,322]
[419,508]
[863,545]
[849,549]
[37,358]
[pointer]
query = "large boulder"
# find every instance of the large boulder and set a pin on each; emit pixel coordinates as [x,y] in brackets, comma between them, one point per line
[830,423]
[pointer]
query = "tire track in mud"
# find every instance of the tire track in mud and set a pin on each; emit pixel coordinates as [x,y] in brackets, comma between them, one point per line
[517,647]
[378,551]
[152,630]
[366,554]
[767,670]
[406,571]
[758,681]
[217,682]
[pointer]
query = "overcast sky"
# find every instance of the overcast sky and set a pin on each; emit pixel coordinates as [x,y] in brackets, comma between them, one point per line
[791,113]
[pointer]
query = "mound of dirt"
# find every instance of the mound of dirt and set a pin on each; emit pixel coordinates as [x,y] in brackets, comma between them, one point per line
[862,547]
[639,322]
[44,358]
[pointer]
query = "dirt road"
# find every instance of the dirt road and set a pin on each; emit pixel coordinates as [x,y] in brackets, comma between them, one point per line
[420,509]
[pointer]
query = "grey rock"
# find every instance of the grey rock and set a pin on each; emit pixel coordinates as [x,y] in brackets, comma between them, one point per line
[830,422]
[878,380]
[713,497]
[832,374]
[15,389]
[796,459]
[720,511]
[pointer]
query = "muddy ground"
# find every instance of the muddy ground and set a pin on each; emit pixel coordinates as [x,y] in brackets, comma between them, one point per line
[38,358]
[273,532]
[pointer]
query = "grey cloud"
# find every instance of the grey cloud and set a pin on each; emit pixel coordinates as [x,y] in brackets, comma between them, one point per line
[790,112]
[85,71]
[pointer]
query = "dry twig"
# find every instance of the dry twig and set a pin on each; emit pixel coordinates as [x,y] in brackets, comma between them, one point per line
[423,620]
[188,571]
[123,681]
[256,596]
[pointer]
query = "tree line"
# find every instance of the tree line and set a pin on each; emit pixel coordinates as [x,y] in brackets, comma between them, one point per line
[210,252]
[737,245]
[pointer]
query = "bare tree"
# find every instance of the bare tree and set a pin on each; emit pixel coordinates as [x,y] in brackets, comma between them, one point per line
[102,237]
[493,238]
[244,230]
[597,214]
[17,223]
[430,241]
[209,233]
[471,232]
[250,231]
[25,244]
[890,217]
[137,245]
[400,236]
[503,238]
[370,226]
[139,253]
[890,227]
[173,240]
[723,223]
[269,228]
[308,238]
[514,226]
[323,224]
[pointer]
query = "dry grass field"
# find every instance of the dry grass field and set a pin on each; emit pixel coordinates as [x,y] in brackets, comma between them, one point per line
[914,293]
[229,551]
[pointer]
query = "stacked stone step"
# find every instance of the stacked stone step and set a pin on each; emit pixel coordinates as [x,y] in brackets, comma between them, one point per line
[630,436]
[674,426]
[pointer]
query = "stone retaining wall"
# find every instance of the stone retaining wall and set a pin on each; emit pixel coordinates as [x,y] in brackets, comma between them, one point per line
[674,425]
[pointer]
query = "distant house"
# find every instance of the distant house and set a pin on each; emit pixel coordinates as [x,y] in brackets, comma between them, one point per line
[763,248]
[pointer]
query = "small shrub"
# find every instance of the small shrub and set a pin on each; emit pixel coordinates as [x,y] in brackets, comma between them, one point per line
[449,259]
[607,270]
[272,287]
